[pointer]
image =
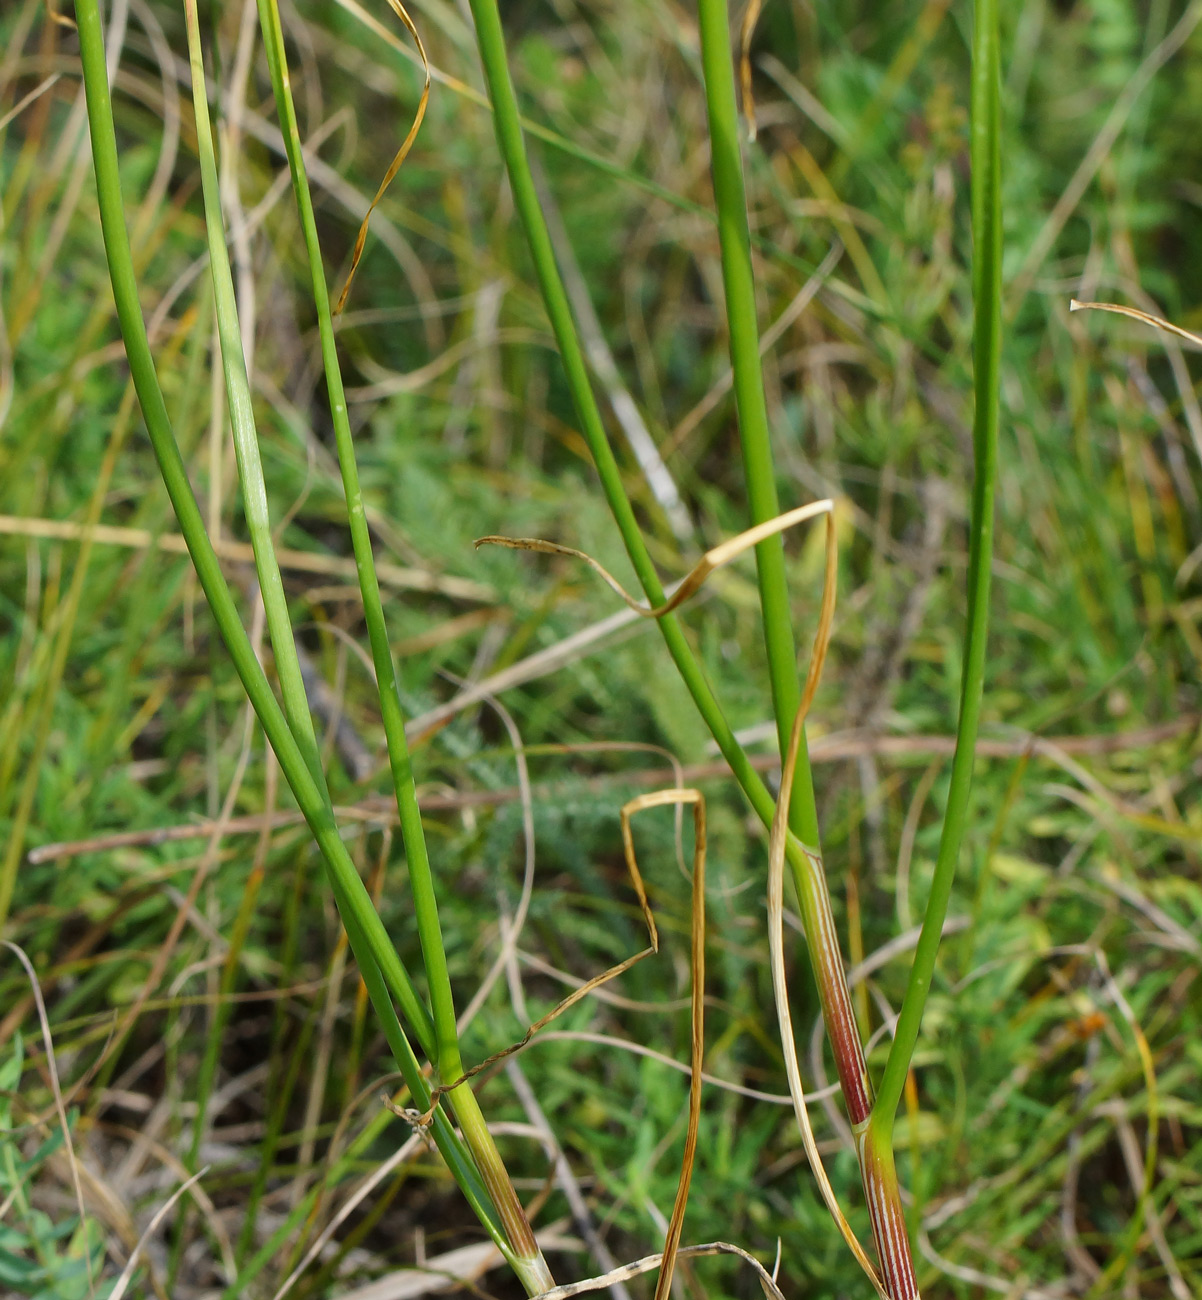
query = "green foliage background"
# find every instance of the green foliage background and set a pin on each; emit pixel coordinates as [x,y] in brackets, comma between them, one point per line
[1026,1134]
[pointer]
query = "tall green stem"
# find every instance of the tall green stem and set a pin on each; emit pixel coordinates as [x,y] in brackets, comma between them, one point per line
[987,347]
[738,278]
[738,281]
[382,970]
[523,1253]
[809,876]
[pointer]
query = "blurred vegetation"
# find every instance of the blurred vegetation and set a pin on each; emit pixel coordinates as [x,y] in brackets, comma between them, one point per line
[1034,1120]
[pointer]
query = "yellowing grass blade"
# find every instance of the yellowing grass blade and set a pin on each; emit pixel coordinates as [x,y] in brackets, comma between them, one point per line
[401,154]
[776,891]
[713,559]
[1156,322]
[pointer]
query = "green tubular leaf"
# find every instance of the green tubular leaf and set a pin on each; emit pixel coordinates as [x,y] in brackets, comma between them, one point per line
[373,950]
[508,125]
[738,278]
[754,437]
[242,421]
[987,346]
[446,1054]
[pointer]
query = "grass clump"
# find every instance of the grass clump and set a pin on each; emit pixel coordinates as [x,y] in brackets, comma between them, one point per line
[196,979]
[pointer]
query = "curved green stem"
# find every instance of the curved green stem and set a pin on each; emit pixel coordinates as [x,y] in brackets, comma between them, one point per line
[446,1056]
[382,970]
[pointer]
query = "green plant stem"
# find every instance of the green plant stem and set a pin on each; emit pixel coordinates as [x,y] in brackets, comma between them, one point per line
[242,422]
[987,344]
[738,280]
[523,1253]
[508,125]
[875,1138]
[889,1231]
[382,970]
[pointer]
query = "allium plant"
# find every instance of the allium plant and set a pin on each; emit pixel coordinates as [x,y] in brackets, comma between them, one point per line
[412,1023]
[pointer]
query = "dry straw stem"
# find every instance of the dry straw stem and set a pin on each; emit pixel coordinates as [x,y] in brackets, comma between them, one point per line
[127,1273]
[401,154]
[713,559]
[399,576]
[776,890]
[22,104]
[1156,321]
[639,1266]
[404,1153]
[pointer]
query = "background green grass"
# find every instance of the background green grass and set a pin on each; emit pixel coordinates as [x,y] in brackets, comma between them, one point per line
[1078,904]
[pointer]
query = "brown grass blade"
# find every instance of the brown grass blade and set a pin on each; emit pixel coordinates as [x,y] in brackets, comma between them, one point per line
[1134,313]
[401,154]
[713,559]
[776,890]
[751,16]
[654,800]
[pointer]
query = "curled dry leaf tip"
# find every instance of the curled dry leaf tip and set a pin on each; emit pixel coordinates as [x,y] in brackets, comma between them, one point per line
[713,559]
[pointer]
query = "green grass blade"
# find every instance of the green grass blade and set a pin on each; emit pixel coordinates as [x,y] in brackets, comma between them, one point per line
[447,1055]
[987,347]
[382,968]
[738,279]
[242,422]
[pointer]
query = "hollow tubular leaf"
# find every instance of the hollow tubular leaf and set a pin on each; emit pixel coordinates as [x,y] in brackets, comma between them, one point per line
[987,347]
[522,1250]
[508,125]
[809,876]
[382,970]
